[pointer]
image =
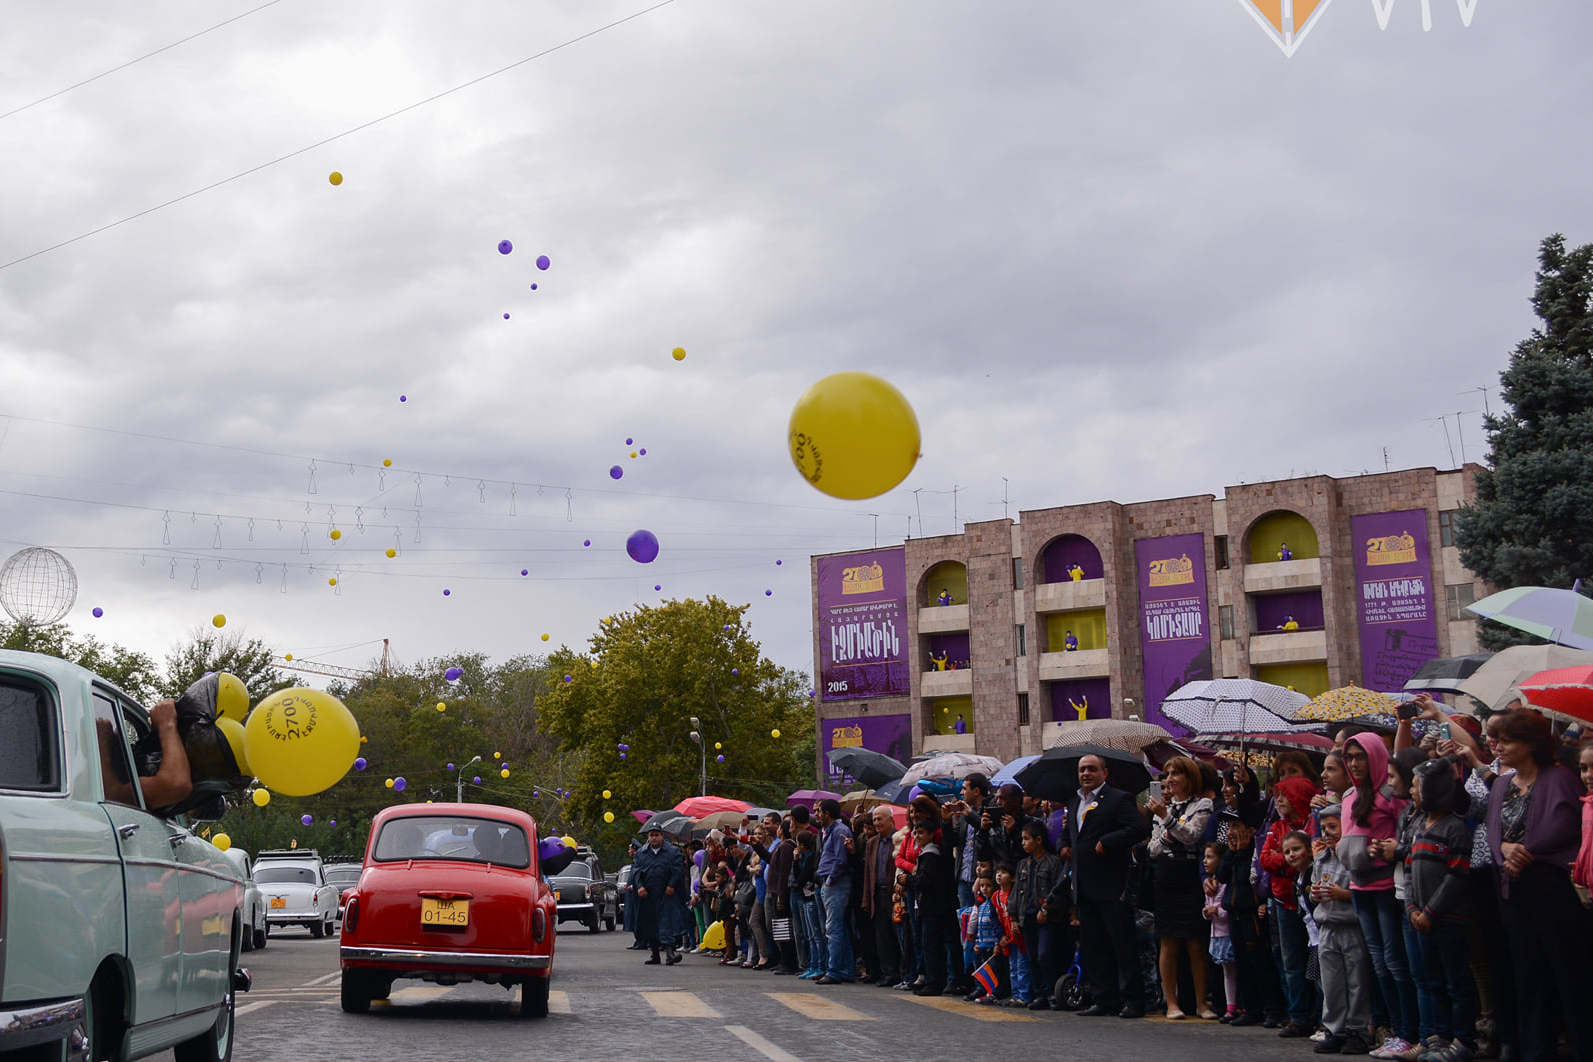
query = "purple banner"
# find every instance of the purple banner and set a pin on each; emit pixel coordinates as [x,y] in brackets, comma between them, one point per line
[863,625]
[890,734]
[1174,628]
[1394,587]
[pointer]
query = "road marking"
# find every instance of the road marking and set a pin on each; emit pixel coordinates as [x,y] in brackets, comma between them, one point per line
[679,1005]
[420,993]
[768,1050]
[328,979]
[819,1008]
[558,1002]
[956,1006]
[253,1007]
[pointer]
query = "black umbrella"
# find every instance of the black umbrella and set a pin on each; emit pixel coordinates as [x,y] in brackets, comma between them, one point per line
[1445,674]
[1055,775]
[672,822]
[870,768]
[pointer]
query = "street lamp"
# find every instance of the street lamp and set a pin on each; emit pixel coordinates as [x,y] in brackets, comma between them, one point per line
[696,735]
[459,786]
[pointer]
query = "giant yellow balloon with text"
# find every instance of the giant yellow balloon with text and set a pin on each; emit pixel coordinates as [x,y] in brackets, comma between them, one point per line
[301,741]
[853,435]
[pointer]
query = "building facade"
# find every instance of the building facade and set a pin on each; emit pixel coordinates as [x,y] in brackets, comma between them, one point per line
[985,641]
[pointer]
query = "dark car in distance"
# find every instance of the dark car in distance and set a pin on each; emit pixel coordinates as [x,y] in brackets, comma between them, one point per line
[584,895]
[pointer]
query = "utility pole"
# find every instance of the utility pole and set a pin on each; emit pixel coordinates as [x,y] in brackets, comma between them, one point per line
[702,746]
[954,508]
[1004,515]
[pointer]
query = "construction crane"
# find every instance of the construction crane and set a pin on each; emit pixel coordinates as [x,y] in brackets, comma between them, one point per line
[353,674]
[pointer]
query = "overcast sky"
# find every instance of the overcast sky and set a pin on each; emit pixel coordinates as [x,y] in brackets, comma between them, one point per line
[1107,249]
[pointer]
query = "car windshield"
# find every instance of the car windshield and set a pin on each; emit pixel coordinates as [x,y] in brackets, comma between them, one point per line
[455,837]
[575,870]
[268,875]
[343,875]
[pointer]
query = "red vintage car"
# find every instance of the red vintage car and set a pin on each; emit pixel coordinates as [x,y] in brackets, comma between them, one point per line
[450,893]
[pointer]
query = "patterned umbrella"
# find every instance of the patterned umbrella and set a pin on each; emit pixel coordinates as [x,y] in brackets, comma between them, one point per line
[1130,735]
[1562,616]
[952,765]
[1346,702]
[1242,705]
[1496,683]
[1563,691]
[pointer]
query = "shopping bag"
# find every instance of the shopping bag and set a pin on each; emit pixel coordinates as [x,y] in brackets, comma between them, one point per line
[780,929]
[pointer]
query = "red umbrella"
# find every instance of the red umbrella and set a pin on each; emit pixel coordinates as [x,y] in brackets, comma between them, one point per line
[698,806]
[1564,691]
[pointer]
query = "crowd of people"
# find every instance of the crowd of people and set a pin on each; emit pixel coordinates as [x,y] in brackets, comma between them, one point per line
[1418,901]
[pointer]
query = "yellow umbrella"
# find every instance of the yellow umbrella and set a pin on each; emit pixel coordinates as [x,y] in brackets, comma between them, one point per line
[1346,702]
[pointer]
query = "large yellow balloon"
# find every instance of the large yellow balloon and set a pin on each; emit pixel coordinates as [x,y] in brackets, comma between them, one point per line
[853,435]
[261,797]
[569,842]
[221,841]
[301,741]
[233,731]
[232,697]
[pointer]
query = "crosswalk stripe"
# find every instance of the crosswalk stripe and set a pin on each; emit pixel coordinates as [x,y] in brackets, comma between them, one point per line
[819,1008]
[773,1052]
[328,979]
[253,1007]
[956,1006]
[679,1005]
[558,1002]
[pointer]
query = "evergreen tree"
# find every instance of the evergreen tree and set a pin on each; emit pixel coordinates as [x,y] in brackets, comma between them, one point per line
[1532,523]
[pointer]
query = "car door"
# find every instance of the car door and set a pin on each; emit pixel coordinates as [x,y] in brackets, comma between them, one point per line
[151,874]
[207,896]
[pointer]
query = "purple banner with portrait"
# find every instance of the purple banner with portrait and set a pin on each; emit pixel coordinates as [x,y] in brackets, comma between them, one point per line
[1174,627]
[890,734]
[863,625]
[1398,623]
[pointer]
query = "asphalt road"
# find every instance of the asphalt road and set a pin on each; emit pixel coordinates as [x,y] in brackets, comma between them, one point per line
[607,1005]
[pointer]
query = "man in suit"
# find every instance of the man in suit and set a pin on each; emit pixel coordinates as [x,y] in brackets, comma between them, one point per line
[658,875]
[1102,831]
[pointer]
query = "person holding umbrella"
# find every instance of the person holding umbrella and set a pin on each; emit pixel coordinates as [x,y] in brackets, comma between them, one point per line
[658,875]
[1105,826]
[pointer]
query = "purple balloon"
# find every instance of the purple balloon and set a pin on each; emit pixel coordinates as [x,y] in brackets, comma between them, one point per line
[305,820]
[735,671]
[476,780]
[446,592]
[698,856]
[778,563]
[533,287]
[727,626]
[615,472]
[622,755]
[658,586]
[360,763]
[399,784]
[98,612]
[453,673]
[334,822]
[403,398]
[504,246]
[542,261]
[505,317]
[450,766]
[642,451]
[719,758]
[569,678]
[525,571]
[642,546]
[768,593]
[588,542]
[810,693]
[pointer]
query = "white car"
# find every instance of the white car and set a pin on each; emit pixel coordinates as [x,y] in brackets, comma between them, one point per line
[254,901]
[296,891]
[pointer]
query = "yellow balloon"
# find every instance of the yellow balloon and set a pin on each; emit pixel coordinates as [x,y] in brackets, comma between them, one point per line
[853,435]
[717,746]
[232,697]
[544,637]
[774,733]
[387,462]
[363,739]
[221,841]
[633,453]
[608,816]
[391,552]
[336,534]
[218,620]
[497,755]
[288,657]
[261,798]
[441,707]
[504,773]
[388,783]
[606,794]
[301,741]
[679,353]
[569,842]
[232,730]
[335,177]
[332,581]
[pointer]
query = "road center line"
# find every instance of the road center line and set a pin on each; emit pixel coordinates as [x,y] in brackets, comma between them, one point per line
[768,1050]
[253,1007]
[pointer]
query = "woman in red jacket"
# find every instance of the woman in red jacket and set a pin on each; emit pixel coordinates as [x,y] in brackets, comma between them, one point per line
[1292,797]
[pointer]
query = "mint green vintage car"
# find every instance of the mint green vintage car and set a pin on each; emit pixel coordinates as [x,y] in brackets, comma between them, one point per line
[119,929]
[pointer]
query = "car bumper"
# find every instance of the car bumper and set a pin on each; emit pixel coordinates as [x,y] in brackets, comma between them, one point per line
[45,1023]
[575,908]
[295,916]
[431,959]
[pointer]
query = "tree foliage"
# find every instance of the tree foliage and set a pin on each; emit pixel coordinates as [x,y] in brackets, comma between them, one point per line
[1532,523]
[133,672]
[250,659]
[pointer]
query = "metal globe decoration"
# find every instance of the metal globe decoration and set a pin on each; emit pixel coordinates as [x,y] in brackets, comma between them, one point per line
[37,586]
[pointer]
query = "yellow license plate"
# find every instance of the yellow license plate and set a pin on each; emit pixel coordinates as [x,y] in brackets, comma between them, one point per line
[279,901]
[449,913]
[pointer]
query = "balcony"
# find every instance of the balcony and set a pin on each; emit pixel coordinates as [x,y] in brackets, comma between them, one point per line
[1067,596]
[1081,663]
[1283,575]
[938,619]
[947,683]
[1287,647]
[948,743]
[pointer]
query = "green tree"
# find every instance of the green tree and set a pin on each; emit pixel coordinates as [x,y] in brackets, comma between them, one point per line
[250,659]
[1532,523]
[649,673]
[133,672]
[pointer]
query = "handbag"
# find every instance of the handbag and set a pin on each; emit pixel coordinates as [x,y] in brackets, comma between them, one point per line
[780,929]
